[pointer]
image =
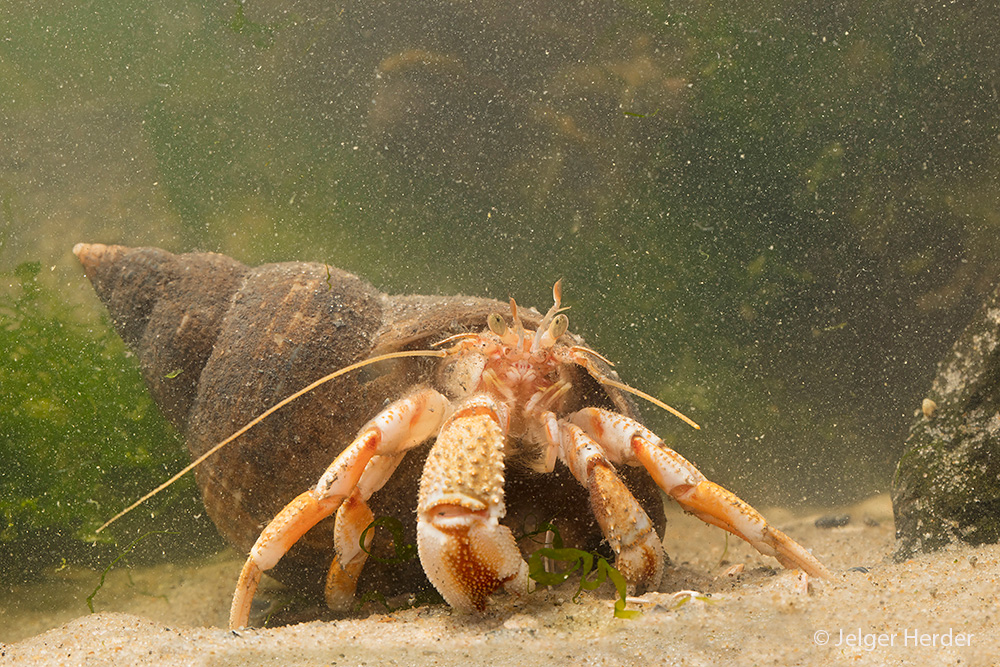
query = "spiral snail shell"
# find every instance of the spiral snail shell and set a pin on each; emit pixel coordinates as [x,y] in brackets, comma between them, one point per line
[218,343]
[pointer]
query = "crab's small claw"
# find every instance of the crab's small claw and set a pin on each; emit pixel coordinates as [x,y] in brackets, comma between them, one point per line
[625,525]
[353,518]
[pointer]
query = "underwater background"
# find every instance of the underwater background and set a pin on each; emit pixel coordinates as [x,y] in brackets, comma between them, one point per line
[775,216]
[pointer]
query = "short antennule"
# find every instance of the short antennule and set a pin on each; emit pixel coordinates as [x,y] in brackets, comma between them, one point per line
[543,326]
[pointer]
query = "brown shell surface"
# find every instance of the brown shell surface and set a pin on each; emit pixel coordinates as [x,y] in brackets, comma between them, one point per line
[245,338]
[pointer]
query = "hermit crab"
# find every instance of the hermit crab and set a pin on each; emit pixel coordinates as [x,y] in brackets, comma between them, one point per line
[475,415]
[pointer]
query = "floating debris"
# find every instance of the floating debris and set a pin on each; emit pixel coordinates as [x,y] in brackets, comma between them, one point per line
[833,521]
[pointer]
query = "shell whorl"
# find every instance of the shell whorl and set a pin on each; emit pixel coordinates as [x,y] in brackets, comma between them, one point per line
[168,309]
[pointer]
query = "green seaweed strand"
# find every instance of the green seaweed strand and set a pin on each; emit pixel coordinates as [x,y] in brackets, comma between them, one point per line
[404,551]
[594,568]
[132,545]
[584,561]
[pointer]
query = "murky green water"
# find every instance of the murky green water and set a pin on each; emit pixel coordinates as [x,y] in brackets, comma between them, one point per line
[775,217]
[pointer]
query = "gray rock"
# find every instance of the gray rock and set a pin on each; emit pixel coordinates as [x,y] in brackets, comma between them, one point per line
[947,484]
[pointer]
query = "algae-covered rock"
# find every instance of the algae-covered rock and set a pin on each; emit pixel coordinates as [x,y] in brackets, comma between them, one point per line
[947,484]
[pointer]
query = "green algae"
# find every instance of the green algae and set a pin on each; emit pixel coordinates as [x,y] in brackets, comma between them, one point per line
[80,437]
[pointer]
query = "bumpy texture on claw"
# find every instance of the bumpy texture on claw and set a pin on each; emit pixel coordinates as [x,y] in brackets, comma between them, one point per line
[194,320]
[467,557]
[465,551]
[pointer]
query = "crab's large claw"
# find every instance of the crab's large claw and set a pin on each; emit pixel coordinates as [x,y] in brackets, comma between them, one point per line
[628,441]
[404,424]
[464,549]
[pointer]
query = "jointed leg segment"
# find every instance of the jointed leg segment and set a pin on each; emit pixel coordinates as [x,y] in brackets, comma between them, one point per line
[353,517]
[464,549]
[402,425]
[627,441]
[625,525]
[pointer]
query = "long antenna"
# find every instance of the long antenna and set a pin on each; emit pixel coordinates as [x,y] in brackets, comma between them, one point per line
[605,380]
[274,408]
[652,399]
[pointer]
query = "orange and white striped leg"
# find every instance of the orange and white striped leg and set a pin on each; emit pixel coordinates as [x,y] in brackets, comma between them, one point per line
[628,441]
[464,549]
[625,525]
[345,568]
[353,518]
[404,424]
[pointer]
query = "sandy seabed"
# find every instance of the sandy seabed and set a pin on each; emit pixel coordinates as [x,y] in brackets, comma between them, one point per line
[939,609]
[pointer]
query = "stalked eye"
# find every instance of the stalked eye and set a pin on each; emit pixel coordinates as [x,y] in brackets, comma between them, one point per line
[558,326]
[497,324]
